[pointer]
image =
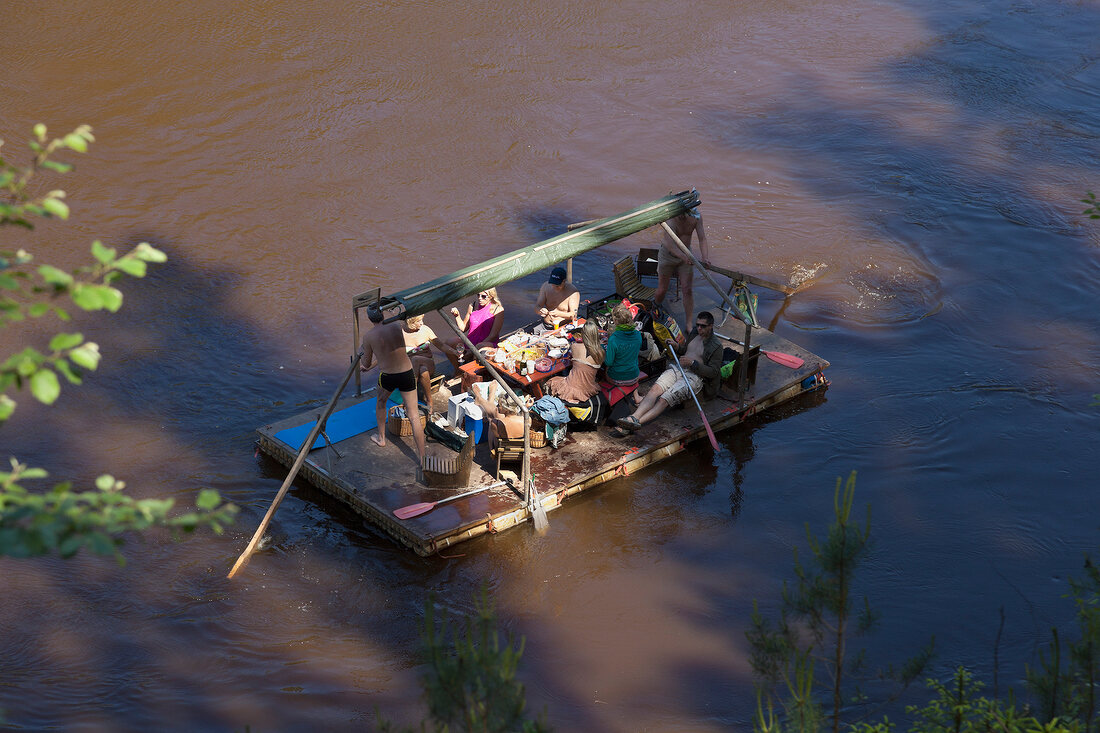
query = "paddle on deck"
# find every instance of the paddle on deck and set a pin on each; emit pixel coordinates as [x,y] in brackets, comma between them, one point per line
[415,510]
[788,360]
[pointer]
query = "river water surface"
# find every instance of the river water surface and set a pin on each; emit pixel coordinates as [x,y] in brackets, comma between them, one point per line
[924,160]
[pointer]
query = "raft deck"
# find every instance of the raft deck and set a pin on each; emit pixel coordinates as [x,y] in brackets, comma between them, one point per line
[375,480]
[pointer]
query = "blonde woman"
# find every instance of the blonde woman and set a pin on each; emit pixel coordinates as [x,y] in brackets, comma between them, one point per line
[481,324]
[588,356]
[419,339]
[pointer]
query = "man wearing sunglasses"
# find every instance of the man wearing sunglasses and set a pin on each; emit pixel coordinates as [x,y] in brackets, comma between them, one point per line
[702,363]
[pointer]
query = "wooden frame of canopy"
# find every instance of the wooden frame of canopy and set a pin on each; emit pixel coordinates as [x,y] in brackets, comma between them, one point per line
[579,238]
[452,288]
[436,294]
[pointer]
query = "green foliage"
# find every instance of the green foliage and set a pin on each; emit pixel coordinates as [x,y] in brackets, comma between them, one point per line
[60,520]
[33,292]
[1066,683]
[957,708]
[817,620]
[1093,209]
[815,617]
[64,522]
[471,680]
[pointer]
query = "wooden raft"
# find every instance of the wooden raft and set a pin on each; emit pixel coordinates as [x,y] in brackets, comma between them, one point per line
[375,480]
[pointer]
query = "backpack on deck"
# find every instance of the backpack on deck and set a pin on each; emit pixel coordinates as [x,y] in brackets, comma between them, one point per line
[665,327]
[589,414]
[553,413]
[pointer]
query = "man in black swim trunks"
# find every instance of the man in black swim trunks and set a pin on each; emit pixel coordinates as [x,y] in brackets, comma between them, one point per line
[386,343]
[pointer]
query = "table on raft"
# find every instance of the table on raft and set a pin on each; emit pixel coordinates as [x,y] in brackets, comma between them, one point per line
[531,382]
[375,480]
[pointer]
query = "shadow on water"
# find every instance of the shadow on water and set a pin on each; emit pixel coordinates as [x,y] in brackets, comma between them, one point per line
[940,201]
[196,376]
[184,381]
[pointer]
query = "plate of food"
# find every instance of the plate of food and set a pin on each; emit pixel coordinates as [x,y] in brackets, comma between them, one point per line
[545,364]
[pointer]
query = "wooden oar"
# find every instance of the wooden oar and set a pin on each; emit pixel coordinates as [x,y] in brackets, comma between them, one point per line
[306,446]
[787,360]
[415,510]
[702,415]
[538,511]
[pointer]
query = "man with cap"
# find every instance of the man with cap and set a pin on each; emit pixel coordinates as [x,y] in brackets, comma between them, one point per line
[558,301]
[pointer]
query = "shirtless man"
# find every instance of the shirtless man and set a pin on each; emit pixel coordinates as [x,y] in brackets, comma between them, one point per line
[386,343]
[671,261]
[558,301]
[702,364]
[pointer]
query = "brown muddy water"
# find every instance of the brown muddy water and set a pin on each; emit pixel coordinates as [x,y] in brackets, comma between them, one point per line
[924,159]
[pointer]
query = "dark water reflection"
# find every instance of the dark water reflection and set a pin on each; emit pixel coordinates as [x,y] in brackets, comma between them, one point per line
[923,163]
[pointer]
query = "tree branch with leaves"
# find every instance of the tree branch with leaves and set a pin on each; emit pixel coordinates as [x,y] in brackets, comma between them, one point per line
[63,521]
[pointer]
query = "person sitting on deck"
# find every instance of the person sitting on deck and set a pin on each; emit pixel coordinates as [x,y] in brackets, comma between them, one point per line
[504,416]
[580,383]
[671,261]
[386,343]
[557,303]
[623,345]
[702,364]
[419,339]
[481,324]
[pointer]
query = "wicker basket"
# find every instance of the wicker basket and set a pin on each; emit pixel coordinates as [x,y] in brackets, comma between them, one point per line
[537,438]
[402,426]
[537,433]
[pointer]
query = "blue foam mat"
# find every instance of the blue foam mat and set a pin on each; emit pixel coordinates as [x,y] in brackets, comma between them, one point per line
[342,424]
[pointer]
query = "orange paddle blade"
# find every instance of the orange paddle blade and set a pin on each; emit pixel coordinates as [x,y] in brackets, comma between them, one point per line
[414,510]
[787,360]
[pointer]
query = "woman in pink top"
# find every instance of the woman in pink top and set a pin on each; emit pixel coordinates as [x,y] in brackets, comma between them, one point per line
[481,324]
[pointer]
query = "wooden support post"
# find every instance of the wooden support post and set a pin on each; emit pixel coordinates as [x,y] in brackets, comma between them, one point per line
[736,276]
[363,299]
[748,326]
[530,495]
[355,347]
[743,370]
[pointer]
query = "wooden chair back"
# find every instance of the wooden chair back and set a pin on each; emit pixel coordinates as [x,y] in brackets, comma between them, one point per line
[627,283]
[506,449]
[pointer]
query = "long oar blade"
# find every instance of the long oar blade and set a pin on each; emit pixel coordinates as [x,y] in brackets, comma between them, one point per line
[787,360]
[710,433]
[414,510]
[702,415]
